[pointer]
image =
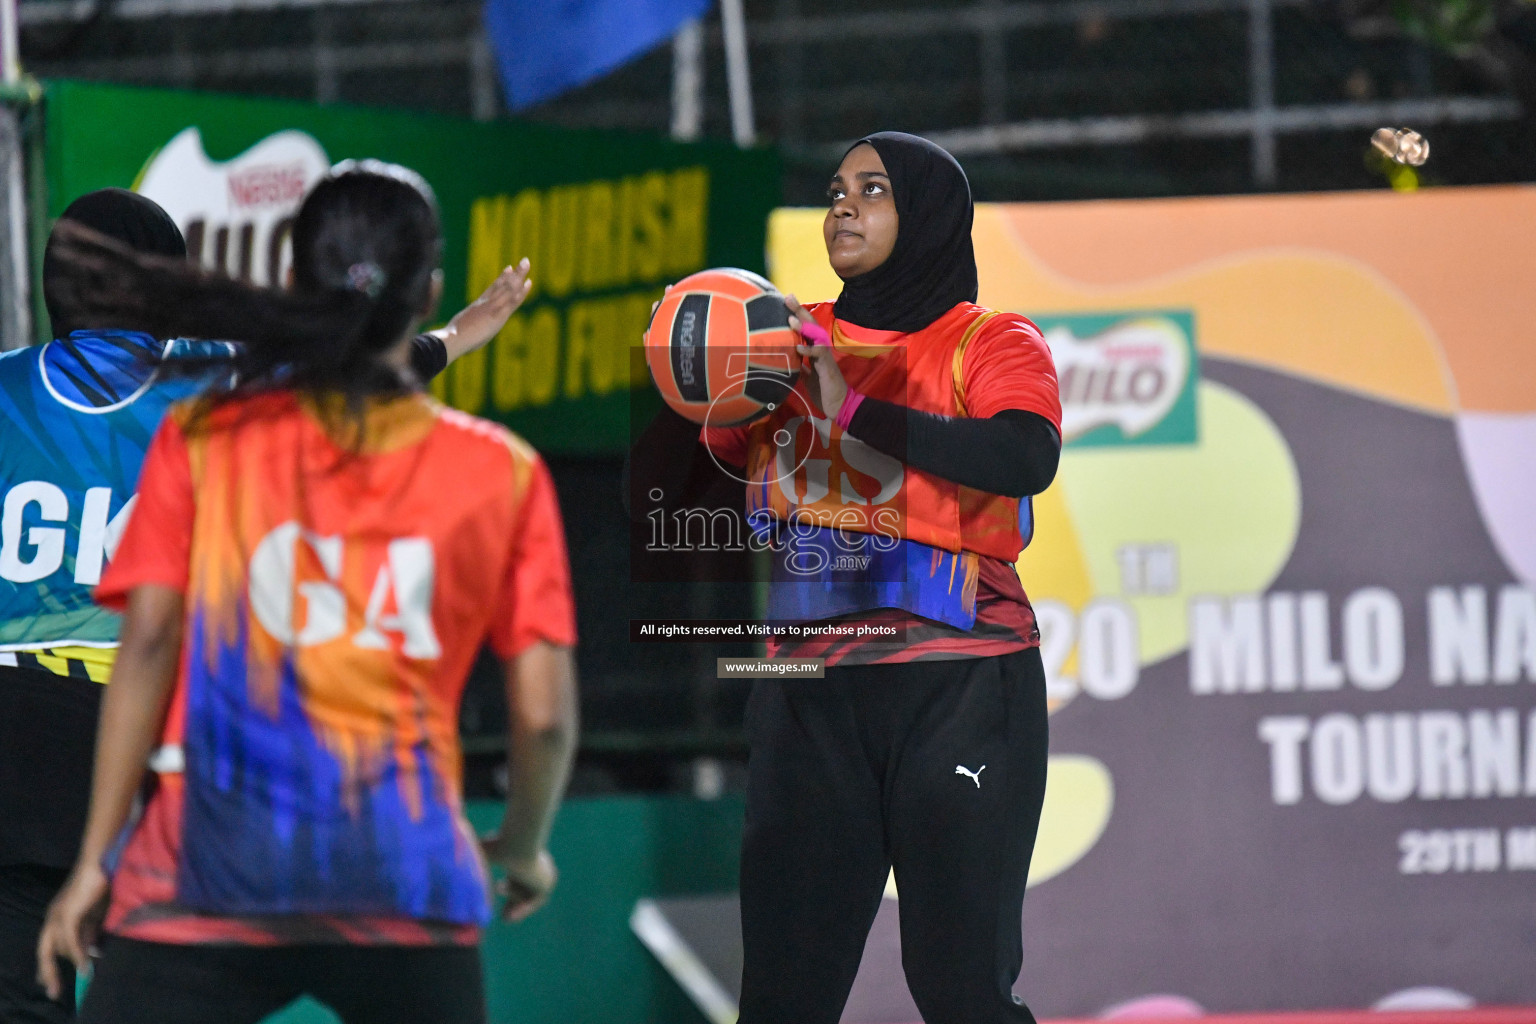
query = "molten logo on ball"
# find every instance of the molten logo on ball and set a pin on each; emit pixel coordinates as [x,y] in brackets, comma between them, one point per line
[690,327]
[685,346]
[720,348]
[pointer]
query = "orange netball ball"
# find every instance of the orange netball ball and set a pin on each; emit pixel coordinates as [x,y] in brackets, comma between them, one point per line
[720,348]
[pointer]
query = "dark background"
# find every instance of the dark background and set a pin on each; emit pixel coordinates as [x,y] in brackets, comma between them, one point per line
[1326,72]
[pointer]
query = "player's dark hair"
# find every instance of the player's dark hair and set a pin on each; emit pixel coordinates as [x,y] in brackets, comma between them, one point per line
[365,246]
[127,217]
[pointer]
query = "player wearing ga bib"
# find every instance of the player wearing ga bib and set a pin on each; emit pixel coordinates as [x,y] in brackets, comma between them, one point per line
[318,553]
[309,785]
[76,416]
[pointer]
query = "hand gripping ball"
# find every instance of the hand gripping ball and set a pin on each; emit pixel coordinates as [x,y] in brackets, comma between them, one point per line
[720,348]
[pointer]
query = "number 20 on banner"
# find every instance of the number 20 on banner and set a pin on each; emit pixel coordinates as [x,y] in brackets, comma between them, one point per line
[1104,638]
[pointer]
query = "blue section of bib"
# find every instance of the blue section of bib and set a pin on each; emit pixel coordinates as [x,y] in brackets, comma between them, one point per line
[823,573]
[77,416]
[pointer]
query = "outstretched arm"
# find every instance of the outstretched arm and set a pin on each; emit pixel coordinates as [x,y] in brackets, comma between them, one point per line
[474,325]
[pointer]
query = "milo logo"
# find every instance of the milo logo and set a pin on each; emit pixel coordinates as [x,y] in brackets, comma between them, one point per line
[1125,379]
[237,215]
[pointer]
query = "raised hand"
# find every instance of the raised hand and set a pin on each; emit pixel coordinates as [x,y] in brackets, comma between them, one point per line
[822,377]
[478,322]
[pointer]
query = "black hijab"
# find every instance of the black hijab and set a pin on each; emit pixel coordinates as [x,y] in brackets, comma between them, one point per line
[126,217]
[932,266]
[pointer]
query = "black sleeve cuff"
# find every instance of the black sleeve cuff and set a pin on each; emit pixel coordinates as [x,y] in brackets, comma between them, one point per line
[881,425]
[1014,453]
[429,356]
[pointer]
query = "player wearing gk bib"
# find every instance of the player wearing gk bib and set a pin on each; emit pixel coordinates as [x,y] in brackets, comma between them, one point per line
[316,558]
[894,489]
[76,416]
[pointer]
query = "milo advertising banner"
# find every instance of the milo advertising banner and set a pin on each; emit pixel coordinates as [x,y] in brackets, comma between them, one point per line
[1286,580]
[606,219]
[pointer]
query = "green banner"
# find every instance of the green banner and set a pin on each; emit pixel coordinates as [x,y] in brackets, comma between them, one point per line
[606,218]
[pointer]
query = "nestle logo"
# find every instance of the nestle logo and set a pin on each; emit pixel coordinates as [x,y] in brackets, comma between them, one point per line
[267,185]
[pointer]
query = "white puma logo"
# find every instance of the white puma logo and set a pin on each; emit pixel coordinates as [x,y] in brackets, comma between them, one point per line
[974,776]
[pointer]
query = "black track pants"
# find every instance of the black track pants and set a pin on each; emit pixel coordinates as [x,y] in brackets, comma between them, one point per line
[154,983]
[855,773]
[25,892]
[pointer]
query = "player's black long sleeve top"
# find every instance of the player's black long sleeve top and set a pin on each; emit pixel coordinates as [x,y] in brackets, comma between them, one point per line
[1014,453]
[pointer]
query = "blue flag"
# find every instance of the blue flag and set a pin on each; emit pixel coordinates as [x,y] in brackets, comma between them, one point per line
[544,47]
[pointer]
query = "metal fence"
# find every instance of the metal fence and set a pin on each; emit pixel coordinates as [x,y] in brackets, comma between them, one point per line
[1042,98]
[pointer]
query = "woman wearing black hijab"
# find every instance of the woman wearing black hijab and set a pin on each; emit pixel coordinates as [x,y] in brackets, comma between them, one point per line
[922,421]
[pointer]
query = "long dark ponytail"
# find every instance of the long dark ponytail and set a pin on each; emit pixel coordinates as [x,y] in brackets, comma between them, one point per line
[366,245]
